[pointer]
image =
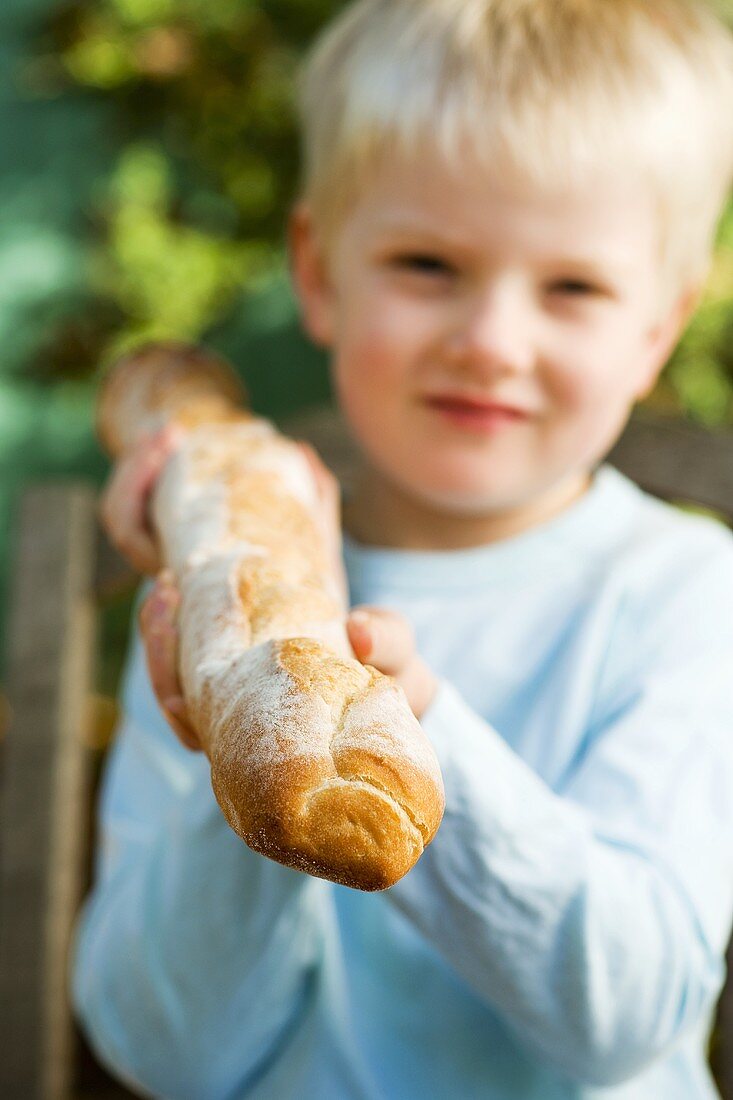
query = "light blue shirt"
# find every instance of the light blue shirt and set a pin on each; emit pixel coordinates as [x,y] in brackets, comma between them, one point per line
[563,935]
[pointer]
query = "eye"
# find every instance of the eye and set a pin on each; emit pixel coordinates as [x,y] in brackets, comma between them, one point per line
[576,288]
[423,263]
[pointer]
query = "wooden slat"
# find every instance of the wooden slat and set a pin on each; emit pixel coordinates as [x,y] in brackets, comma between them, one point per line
[721,1048]
[678,461]
[43,801]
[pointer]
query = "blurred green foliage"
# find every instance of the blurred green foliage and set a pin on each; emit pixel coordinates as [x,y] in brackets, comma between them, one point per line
[698,381]
[188,222]
[149,160]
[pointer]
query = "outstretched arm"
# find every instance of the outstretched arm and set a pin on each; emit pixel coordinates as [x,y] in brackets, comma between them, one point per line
[593,917]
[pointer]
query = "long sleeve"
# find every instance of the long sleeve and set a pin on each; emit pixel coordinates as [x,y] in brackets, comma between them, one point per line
[563,932]
[593,917]
[195,958]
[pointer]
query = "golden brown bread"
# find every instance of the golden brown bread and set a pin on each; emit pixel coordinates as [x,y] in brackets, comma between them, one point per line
[316,760]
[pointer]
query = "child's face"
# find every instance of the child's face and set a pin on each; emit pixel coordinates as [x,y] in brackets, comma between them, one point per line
[449,294]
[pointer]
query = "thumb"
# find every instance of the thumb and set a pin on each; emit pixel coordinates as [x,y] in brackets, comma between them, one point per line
[382,637]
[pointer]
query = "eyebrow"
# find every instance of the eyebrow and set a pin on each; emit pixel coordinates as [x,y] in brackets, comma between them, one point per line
[598,269]
[401,228]
[602,269]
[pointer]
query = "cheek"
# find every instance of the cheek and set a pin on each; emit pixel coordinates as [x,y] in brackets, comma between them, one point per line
[377,344]
[594,376]
[376,370]
[363,372]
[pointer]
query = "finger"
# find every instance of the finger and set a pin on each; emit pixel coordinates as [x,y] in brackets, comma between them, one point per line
[143,465]
[134,475]
[383,638]
[121,511]
[124,504]
[158,625]
[176,715]
[137,548]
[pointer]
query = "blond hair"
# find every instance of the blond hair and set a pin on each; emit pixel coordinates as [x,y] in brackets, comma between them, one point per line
[553,90]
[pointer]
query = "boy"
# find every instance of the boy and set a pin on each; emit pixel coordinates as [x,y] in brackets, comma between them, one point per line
[506,219]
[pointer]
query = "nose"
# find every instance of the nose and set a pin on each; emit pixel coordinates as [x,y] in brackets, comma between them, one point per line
[493,331]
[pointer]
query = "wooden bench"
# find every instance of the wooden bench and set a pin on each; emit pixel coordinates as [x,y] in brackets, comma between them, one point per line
[50,757]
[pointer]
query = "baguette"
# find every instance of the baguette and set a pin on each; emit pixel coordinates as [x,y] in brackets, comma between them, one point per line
[316,760]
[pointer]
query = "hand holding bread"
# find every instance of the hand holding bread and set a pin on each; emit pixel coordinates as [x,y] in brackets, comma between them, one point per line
[317,760]
[123,506]
[383,636]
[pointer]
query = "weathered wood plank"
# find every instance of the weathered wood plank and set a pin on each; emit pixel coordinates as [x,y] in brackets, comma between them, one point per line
[721,1048]
[45,787]
[678,461]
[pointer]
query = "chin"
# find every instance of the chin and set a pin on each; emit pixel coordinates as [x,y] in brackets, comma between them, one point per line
[460,500]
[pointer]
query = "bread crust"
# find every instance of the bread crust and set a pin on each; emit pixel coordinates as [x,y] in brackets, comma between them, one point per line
[317,761]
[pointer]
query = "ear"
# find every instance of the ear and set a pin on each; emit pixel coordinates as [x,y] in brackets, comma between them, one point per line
[664,336]
[310,275]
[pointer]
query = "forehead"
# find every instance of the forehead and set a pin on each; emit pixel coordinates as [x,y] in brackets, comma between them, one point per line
[607,216]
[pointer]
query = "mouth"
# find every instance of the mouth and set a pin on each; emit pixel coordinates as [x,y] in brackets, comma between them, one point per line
[473,413]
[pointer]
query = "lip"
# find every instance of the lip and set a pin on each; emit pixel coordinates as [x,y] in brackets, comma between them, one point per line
[476,413]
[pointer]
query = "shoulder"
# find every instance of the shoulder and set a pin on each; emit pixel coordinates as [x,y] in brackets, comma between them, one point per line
[652,538]
[670,569]
[666,581]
